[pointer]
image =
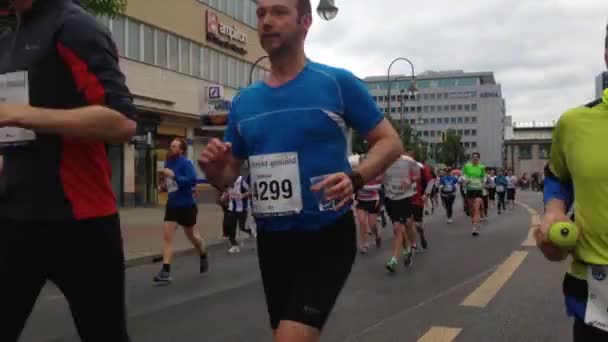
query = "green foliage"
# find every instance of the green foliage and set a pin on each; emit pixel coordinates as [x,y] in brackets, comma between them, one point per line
[451,151]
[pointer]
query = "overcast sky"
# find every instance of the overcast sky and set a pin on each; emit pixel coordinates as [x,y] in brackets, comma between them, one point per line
[545,53]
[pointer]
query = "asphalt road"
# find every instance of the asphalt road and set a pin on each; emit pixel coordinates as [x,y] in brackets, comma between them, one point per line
[227,305]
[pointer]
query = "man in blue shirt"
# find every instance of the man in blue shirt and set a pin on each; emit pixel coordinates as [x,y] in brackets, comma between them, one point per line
[447,186]
[293,128]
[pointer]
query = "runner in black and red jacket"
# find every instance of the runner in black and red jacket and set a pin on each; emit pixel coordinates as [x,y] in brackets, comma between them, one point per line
[58,214]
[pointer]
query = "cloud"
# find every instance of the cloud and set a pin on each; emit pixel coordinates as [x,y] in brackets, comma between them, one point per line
[545,53]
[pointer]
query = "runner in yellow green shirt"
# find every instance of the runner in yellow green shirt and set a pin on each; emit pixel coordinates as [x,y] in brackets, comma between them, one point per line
[474,176]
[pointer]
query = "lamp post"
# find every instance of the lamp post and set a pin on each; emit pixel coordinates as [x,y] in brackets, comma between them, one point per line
[327,9]
[412,88]
[253,67]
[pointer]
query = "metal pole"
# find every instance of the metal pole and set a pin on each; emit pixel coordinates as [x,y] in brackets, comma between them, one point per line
[253,67]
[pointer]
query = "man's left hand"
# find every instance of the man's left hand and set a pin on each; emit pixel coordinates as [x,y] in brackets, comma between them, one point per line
[168,173]
[338,187]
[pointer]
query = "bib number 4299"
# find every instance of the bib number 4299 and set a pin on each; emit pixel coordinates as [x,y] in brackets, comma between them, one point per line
[272,190]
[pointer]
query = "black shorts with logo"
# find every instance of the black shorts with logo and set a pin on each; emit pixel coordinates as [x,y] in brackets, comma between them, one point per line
[184,216]
[399,210]
[372,207]
[303,272]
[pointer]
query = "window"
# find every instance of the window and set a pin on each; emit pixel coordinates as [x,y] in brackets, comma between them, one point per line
[467,119]
[432,96]
[446,108]
[473,119]
[232,72]
[453,120]
[459,132]
[184,65]
[134,40]
[231,7]
[215,65]
[119,33]
[196,60]
[440,109]
[525,152]
[161,48]
[474,107]
[148,44]
[173,52]
[467,144]
[425,109]
[425,96]
[446,121]
[439,96]
[412,122]
[459,108]
[544,151]
[406,109]
[453,108]
[426,133]
[460,120]
[425,121]
[467,132]
[419,109]
[433,134]
[393,110]
[432,121]
[467,108]
[439,120]
[432,109]
[392,97]
[206,59]
[473,132]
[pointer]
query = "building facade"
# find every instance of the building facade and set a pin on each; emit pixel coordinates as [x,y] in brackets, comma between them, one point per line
[469,103]
[528,146]
[184,62]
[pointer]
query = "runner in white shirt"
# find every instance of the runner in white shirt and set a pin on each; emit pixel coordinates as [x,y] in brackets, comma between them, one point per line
[400,188]
[491,185]
[511,189]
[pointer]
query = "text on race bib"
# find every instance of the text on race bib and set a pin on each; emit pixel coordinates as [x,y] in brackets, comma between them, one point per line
[596,314]
[275,181]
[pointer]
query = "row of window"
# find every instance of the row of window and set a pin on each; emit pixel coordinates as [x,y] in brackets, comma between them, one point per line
[525,151]
[428,96]
[243,10]
[423,84]
[435,109]
[444,121]
[460,132]
[144,43]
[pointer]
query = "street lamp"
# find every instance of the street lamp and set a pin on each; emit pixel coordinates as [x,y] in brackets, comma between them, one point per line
[327,10]
[412,88]
[253,67]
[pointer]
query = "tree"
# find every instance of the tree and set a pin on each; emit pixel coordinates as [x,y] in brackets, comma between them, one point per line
[451,151]
[110,8]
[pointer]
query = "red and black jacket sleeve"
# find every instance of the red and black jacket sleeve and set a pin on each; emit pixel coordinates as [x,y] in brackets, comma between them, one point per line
[87,48]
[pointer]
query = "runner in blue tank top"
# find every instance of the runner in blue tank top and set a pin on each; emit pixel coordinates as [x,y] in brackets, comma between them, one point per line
[293,129]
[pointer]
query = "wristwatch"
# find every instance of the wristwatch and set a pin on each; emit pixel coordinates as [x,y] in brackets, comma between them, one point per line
[357,180]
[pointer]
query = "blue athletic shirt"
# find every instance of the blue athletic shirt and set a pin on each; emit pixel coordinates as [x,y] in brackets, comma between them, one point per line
[185,177]
[448,180]
[309,115]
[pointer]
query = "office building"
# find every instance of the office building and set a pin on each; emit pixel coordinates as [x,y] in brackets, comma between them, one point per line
[470,103]
[528,146]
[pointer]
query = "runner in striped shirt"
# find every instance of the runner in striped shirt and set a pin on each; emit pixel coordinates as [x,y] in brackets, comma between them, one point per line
[368,205]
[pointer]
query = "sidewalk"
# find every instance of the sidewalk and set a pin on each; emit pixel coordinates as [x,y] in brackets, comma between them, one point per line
[142,232]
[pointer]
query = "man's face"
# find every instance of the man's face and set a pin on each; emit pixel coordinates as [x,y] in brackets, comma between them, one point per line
[175,148]
[475,158]
[280,26]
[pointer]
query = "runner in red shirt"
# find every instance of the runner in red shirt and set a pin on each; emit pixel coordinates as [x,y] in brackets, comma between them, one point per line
[419,200]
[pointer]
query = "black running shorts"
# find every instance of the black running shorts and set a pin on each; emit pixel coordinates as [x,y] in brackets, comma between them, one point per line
[418,213]
[372,207]
[511,194]
[471,194]
[303,272]
[399,210]
[184,216]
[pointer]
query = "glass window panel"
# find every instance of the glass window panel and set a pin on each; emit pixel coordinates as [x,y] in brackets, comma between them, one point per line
[134,40]
[184,65]
[206,59]
[215,66]
[148,44]
[232,72]
[119,33]
[161,48]
[196,60]
[173,52]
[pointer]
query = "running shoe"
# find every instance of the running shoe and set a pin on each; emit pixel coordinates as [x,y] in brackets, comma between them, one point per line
[204,265]
[475,231]
[408,258]
[163,277]
[234,249]
[391,265]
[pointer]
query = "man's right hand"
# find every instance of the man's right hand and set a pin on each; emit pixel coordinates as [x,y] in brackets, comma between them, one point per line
[215,156]
[541,234]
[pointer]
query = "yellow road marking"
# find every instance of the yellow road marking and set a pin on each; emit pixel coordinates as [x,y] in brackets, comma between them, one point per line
[440,334]
[490,287]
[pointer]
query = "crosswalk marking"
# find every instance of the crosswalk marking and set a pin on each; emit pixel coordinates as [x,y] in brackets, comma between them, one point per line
[490,287]
[440,334]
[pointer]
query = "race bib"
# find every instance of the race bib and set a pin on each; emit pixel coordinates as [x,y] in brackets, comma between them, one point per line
[171,185]
[14,90]
[475,183]
[500,188]
[448,188]
[596,314]
[397,186]
[275,180]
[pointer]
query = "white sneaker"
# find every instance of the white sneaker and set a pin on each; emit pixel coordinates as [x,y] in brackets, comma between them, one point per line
[450,221]
[475,231]
[234,249]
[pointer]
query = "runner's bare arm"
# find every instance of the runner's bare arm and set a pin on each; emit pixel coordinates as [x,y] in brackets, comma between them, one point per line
[385,149]
[221,167]
[91,122]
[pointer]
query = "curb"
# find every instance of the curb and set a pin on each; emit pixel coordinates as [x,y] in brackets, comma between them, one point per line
[214,247]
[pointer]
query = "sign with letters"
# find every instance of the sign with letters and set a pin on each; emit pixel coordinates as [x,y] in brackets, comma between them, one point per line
[228,37]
